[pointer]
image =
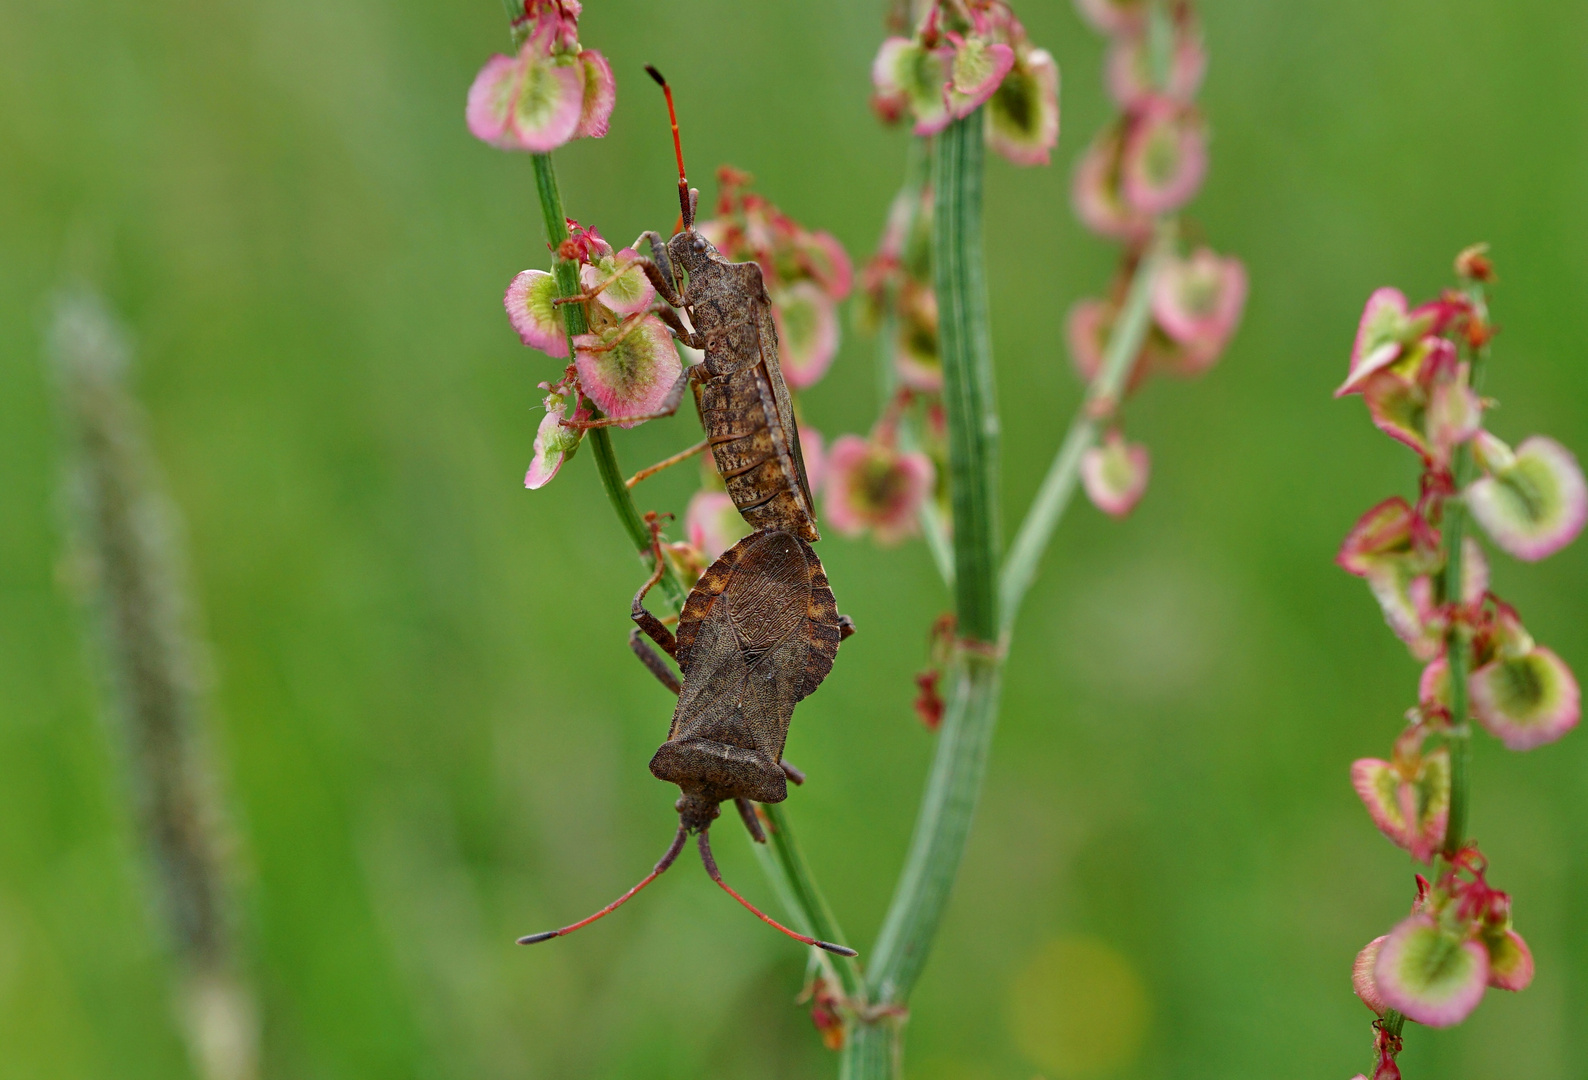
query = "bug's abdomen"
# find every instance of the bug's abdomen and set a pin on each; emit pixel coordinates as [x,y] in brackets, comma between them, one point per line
[752,454]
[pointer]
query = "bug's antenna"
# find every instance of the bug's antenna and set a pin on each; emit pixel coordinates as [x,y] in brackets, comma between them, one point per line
[685,203]
[711,868]
[656,871]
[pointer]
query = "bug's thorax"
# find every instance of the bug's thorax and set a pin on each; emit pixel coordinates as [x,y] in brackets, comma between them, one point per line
[696,809]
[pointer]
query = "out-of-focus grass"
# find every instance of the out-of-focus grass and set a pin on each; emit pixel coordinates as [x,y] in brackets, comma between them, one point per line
[435,734]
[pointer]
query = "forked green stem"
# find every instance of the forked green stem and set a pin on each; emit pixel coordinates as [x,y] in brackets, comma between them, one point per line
[1102,397]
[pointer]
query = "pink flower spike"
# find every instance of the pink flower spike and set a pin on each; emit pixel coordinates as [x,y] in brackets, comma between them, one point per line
[1429,974]
[1474,571]
[491,99]
[1405,599]
[1023,115]
[1510,961]
[1455,414]
[1526,701]
[975,72]
[546,105]
[1115,474]
[1537,505]
[915,354]
[827,262]
[600,94]
[619,283]
[554,443]
[807,330]
[1413,811]
[1380,336]
[1362,975]
[1433,686]
[872,485]
[713,524]
[1096,195]
[530,310]
[627,370]
[1198,301]
[1385,532]
[1164,158]
[1398,409]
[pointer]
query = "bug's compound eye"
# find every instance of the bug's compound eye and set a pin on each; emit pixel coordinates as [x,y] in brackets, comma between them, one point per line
[698,244]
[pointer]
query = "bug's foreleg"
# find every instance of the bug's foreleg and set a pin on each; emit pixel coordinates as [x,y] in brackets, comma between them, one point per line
[751,822]
[694,339]
[659,267]
[653,663]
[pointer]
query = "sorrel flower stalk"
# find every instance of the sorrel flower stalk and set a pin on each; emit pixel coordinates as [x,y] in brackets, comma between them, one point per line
[127,558]
[1418,371]
[594,307]
[926,292]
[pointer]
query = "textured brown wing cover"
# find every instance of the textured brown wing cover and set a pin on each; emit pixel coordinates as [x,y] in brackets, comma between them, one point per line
[757,635]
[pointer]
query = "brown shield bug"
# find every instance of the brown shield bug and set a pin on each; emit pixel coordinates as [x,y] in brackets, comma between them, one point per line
[757,635]
[743,400]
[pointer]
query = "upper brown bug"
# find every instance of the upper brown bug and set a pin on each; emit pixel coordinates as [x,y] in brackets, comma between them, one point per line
[758,634]
[739,389]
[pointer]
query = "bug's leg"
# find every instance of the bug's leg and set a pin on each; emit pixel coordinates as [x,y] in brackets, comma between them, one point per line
[751,822]
[683,333]
[659,267]
[846,627]
[794,774]
[643,619]
[668,407]
[653,663]
[651,470]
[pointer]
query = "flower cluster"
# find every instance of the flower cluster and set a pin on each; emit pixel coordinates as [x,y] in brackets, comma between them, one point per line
[1531,501]
[807,273]
[965,54]
[1143,167]
[552,92]
[625,363]
[1457,942]
[1414,368]
[898,295]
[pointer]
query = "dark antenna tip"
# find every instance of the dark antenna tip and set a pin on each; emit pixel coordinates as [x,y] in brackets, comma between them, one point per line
[536,939]
[657,75]
[840,950]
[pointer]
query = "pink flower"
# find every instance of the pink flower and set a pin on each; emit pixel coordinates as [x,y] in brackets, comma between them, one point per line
[1536,504]
[1096,194]
[1164,157]
[1115,474]
[1409,802]
[628,369]
[978,66]
[1198,301]
[712,523]
[1510,961]
[1114,16]
[554,443]
[1023,114]
[1362,975]
[1129,73]
[807,330]
[871,485]
[1526,700]
[532,313]
[550,93]
[1429,973]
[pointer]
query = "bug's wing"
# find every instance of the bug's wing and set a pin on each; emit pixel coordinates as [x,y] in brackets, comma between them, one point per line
[780,405]
[822,630]
[702,598]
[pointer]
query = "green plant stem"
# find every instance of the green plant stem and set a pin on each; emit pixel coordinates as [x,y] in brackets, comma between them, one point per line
[784,864]
[960,761]
[1459,738]
[1102,397]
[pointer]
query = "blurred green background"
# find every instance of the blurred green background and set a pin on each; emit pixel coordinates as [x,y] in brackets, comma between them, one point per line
[434,735]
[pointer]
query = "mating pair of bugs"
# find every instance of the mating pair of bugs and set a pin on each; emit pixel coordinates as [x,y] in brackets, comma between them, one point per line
[760,629]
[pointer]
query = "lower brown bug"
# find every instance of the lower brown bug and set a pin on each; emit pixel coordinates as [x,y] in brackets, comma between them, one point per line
[757,635]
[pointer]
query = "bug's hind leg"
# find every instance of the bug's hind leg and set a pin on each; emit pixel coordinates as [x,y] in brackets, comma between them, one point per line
[653,663]
[643,619]
[751,822]
[795,775]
